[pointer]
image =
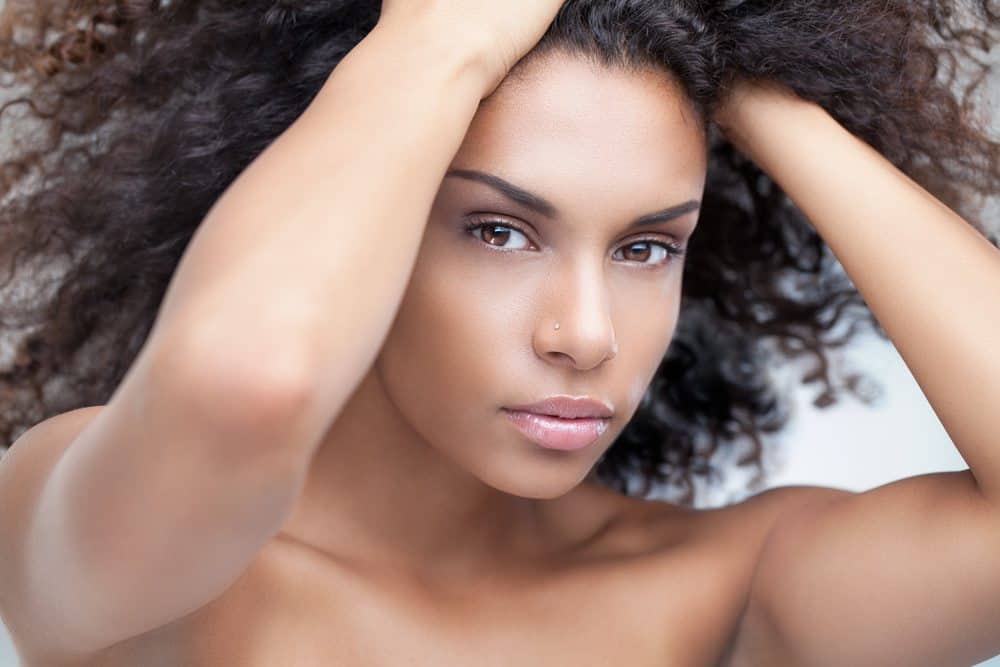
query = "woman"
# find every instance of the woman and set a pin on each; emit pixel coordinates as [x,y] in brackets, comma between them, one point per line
[426,293]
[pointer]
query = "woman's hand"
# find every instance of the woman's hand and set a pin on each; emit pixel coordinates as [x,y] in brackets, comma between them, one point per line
[500,33]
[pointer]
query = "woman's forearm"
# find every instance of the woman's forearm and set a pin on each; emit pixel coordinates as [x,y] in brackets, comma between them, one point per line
[301,264]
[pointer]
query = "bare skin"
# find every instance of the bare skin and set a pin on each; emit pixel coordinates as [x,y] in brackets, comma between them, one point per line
[657,588]
[623,579]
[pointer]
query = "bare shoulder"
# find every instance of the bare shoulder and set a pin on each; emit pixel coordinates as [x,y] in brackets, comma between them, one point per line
[24,468]
[759,512]
[57,425]
[30,456]
[689,570]
[753,516]
[739,531]
[741,528]
[664,525]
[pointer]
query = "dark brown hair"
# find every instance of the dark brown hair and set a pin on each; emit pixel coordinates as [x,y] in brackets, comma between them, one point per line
[136,116]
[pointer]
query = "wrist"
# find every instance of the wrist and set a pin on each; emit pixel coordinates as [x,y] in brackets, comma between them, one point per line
[402,72]
[459,59]
[753,111]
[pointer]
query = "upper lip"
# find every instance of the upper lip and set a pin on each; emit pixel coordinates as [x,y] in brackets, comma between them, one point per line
[568,407]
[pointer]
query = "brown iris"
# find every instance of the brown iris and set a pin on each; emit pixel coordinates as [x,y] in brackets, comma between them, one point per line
[490,230]
[633,245]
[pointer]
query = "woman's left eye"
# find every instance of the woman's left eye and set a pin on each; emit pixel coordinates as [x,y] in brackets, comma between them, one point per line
[667,251]
[496,234]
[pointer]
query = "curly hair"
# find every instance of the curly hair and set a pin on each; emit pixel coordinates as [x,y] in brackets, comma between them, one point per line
[145,112]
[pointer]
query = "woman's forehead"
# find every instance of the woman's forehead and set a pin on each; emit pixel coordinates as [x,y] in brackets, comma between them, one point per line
[570,127]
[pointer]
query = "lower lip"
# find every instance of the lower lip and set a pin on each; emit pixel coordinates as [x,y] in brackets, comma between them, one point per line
[555,432]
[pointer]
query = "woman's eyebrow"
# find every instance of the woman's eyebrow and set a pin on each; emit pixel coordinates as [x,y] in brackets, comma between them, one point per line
[544,207]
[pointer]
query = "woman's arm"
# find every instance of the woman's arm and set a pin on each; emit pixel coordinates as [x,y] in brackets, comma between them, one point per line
[904,573]
[301,264]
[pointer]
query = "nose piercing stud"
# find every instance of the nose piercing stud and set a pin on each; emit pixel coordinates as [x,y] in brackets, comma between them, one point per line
[557,325]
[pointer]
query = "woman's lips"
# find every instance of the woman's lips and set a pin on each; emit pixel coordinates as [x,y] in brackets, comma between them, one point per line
[556,432]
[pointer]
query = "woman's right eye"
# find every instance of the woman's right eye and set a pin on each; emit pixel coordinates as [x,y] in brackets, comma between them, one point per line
[495,234]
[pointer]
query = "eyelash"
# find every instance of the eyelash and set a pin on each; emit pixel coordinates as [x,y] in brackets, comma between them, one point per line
[673,250]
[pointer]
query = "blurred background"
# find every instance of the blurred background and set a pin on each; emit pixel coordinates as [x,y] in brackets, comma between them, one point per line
[848,445]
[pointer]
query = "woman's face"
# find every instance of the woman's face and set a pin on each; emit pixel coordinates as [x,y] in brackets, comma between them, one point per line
[475,332]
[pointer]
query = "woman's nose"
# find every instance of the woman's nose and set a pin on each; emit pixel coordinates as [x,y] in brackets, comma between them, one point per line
[585,335]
